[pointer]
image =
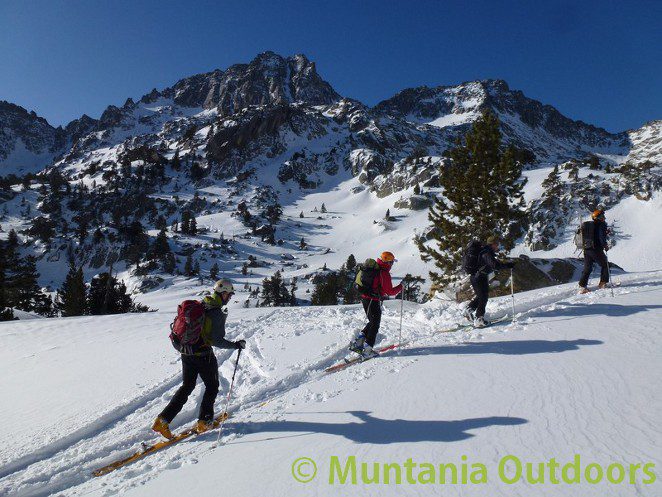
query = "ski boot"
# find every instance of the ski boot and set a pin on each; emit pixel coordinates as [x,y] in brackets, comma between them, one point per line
[161,426]
[603,284]
[202,426]
[357,344]
[368,353]
[481,322]
[469,314]
[583,290]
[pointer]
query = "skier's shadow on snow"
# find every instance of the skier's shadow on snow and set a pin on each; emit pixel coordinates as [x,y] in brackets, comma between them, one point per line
[515,347]
[373,430]
[573,310]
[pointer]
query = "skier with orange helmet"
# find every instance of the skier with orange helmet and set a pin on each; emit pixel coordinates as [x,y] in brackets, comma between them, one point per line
[595,250]
[374,283]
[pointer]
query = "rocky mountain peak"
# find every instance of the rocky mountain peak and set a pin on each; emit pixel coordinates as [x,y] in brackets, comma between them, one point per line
[269,79]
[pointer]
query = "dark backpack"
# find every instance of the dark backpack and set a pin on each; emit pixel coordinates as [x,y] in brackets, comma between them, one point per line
[471,257]
[585,236]
[186,329]
[365,277]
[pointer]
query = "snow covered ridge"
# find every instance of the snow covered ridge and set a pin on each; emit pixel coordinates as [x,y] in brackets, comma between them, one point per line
[271,79]
[89,388]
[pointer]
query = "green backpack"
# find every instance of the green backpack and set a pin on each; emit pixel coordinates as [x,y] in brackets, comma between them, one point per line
[365,277]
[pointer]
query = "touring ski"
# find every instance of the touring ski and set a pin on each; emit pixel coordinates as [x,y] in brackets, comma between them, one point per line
[148,449]
[357,358]
[465,326]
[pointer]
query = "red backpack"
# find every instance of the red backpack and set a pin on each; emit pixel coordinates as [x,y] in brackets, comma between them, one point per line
[186,329]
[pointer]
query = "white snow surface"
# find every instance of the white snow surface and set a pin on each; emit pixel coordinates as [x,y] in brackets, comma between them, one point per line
[573,375]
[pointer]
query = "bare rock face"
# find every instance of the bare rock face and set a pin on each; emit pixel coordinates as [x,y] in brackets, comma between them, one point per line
[267,80]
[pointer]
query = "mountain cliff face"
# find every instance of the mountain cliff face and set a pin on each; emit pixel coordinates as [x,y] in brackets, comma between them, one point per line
[27,142]
[267,80]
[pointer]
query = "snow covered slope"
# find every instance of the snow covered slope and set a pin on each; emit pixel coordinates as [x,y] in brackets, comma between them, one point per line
[574,375]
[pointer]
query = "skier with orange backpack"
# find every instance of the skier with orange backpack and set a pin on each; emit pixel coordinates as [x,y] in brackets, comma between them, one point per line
[374,282]
[197,327]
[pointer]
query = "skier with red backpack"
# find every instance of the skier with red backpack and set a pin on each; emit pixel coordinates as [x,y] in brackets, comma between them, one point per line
[374,282]
[197,327]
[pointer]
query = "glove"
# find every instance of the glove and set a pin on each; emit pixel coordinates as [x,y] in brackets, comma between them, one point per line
[240,344]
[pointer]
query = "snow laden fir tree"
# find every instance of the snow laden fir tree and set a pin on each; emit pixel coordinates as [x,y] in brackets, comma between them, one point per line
[483,196]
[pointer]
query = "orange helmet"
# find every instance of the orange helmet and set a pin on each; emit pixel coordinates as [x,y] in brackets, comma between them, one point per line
[598,213]
[387,257]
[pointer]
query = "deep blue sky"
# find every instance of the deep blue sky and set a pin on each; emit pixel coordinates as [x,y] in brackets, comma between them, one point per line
[599,61]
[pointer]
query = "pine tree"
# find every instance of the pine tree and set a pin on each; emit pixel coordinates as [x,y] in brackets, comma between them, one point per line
[185,222]
[275,292]
[6,313]
[553,186]
[573,175]
[326,290]
[213,271]
[388,215]
[12,239]
[108,296]
[176,163]
[417,189]
[482,196]
[161,223]
[170,263]
[192,226]
[293,289]
[160,247]
[188,266]
[97,237]
[412,288]
[28,295]
[273,213]
[351,262]
[323,209]
[72,298]
[301,214]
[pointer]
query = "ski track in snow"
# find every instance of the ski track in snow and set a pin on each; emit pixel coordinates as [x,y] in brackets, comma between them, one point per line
[308,340]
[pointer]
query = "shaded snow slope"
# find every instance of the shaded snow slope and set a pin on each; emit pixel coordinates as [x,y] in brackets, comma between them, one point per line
[575,374]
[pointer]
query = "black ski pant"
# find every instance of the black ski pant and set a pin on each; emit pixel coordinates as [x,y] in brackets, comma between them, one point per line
[373,309]
[594,256]
[192,366]
[481,287]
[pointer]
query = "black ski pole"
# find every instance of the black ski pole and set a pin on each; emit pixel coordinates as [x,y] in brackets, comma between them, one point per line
[227,401]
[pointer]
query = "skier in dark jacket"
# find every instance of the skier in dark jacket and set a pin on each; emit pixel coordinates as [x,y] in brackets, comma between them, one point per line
[597,254]
[372,305]
[202,362]
[487,263]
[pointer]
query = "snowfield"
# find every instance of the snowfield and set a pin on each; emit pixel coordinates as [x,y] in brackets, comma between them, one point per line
[574,375]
